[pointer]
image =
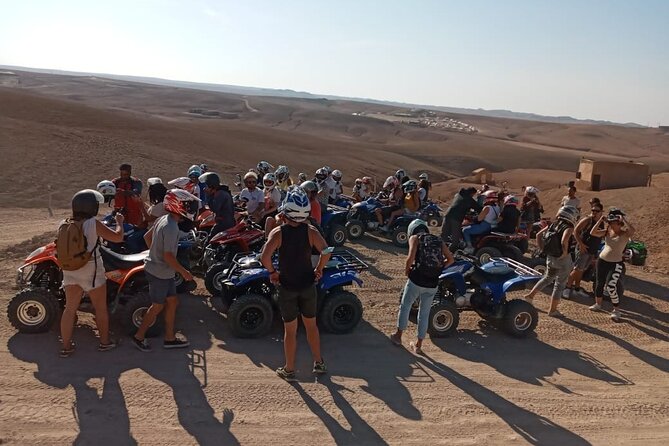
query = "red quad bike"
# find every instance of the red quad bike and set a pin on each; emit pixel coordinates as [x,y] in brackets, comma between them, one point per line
[497,244]
[38,304]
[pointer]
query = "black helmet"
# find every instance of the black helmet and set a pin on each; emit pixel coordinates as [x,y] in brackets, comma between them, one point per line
[211,179]
[86,203]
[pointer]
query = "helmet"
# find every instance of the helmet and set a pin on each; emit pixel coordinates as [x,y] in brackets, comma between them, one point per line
[336,175]
[328,169]
[178,201]
[367,180]
[390,182]
[510,200]
[309,186]
[417,226]
[569,213]
[615,215]
[491,196]
[180,182]
[400,174]
[302,177]
[282,173]
[211,179]
[358,181]
[423,176]
[269,178]
[106,188]
[194,171]
[321,174]
[153,180]
[86,203]
[531,190]
[264,167]
[409,186]
[250,176]
[296,206]
[204,167]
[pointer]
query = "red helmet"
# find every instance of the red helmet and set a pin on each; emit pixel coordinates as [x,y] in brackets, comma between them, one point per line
[491,196]
[178,201]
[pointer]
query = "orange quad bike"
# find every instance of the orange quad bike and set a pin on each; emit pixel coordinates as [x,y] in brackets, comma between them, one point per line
[41,299]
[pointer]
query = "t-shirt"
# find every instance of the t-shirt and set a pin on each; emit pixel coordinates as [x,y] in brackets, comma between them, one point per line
[422,193]
[165,239]
[157,210]
[575,202]
[332,186]
[273,195]
[614,247]
[131,203]
[510,217]
[492,215]
[253,198]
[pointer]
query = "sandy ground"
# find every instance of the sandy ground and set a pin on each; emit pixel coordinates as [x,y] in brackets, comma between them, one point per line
[581,380]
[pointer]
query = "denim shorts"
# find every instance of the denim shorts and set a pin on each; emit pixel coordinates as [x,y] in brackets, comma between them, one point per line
[160,289]
[295,303]
[583,260]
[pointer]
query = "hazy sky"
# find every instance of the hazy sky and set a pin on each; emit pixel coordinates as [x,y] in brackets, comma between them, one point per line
[586,58]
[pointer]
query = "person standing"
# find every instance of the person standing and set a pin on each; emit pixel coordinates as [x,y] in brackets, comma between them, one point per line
[530,207]
[220,202]
[571,199]
[463,201]
[587,247]
[128,196]
[610,265]
[509,221]
[161,265]
[553,240]
[428,256]
[296,277]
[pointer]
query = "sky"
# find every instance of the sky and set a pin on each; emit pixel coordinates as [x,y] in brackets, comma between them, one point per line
[597,59]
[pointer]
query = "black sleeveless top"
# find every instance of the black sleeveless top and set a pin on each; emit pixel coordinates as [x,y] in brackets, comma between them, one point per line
[295,258]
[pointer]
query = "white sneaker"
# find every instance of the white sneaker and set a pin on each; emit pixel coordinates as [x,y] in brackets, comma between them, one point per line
[615,315]
[566,294]
[595,307]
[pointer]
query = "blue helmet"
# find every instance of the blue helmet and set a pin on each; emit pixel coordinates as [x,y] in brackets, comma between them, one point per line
[296,206]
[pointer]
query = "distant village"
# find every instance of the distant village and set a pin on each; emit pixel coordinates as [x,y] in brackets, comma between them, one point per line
[420,117]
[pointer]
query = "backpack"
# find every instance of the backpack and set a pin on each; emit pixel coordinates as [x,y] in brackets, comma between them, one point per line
[552,238]
[430,257]
[71,245]
[411,202]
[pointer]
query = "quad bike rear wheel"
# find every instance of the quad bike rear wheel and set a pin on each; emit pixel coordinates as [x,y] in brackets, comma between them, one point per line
[400,237]
[133,312]
[444,319]
[33,310]
[214,278]
[355,229]
[250,316]
[337,235]
[520,318]
[433,222]
[341,312]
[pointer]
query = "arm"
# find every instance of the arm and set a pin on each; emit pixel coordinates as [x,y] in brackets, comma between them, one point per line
[483,213]
[448,255]
[565,242]
[577,233]
[629,229]
[411,257]
[148,238]
[599,232]
[171,260]
[107,234]
[540,239]
[317,241]
[273,243]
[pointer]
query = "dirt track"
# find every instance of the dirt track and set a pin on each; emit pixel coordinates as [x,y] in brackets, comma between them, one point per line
[581,380]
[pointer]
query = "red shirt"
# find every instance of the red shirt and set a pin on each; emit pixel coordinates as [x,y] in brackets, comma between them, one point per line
[131,203]
[315,211]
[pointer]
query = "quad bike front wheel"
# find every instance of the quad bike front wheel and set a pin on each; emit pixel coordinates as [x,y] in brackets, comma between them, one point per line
[213,280]
[400,237]
[355,229]
[133,312]
[341,312]
[520,318]
[513,252]
[250,316]
[433,222]
[337,235]
[33,310]
[486,254]
[444,319]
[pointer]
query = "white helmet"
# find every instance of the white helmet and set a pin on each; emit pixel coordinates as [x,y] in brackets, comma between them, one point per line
[358,181]
[531,190]
[107,189]
[367,180]
[302,177]
[400,174]
[296,206]
[282,173]
[264,167]
[328,169]
[194,171]
[390,183]
[423,176]
[179,183]
[250,175]
[336,175]
[153,180]
[569,213]
[269,178]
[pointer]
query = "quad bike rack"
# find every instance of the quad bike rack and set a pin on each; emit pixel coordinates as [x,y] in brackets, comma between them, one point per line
[350,261]
[521,269]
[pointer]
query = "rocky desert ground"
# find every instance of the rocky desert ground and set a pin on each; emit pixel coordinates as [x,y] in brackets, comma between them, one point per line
[581,380]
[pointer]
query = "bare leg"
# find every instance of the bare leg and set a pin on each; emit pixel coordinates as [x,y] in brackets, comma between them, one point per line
[99,299]
[313,337]
[73,295]
[170,316]
[148,320]
[379,216]
[290,343]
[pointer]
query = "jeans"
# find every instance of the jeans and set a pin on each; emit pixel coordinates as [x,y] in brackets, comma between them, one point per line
[480,228]
[409,295]
[557,273]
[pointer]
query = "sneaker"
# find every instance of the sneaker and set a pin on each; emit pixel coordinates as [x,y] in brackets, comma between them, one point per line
[286,375]
[320,368]
[595,307]
[177,343]
[142,345]
[566,294]
[615,315]
[106,347]
[554,313]
[66,352]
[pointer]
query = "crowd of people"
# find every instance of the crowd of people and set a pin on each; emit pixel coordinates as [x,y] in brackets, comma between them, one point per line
[270,196]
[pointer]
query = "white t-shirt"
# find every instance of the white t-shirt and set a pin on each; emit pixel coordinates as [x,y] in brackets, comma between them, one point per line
[253,199]
[492,215]
[274,195]
[332,186]
[422,194]
[156,210]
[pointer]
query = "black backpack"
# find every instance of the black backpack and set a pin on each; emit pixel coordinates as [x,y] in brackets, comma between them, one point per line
[430,256]
[553,238]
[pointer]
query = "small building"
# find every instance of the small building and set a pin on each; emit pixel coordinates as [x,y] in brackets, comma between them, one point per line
[482,176]
[600,175]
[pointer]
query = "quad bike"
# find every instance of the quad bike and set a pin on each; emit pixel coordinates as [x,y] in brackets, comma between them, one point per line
[498,244]
[333,225]
[361,218]
[252,298]
[37,306]
[464,286]
[431,213]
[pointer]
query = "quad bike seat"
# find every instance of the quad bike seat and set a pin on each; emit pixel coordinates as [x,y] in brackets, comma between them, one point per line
[113,260]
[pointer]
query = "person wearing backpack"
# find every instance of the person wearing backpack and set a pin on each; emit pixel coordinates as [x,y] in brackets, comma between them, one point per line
[79,257]
[587,248]
[428,256]
[553,241]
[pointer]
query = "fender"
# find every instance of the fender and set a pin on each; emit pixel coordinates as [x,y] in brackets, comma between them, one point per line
[131,274]
[519,283]
[339,278]
[251,275]
[457,278]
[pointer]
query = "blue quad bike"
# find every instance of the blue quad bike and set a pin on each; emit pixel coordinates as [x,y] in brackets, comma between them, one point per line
[361,218]
[432,214]
[252,299]
[333,225]
[464,286]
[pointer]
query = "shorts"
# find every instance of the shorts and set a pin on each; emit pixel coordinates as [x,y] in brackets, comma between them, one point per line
[387,210]
[583,260]
[295,303]
[86,277]
[160,289]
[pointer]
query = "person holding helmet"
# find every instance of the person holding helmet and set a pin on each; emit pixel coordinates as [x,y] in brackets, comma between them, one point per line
[531,208]
[509,221]
[587,248]
[89,278]
[283,180]
[428,256]
[157,191]
[252,197]
[161,265]
[220,202]
[128,193]
[486,220]
[107,189]
[295,277]
[272,198]
[553,241]
[617,232]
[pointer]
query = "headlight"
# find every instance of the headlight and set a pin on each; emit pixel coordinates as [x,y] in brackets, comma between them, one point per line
[36,252]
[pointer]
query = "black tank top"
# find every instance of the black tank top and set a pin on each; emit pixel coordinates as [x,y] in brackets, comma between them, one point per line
[295,258]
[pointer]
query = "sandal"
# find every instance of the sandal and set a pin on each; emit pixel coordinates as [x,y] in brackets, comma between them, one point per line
[67,352]
[106,347]
[417,350]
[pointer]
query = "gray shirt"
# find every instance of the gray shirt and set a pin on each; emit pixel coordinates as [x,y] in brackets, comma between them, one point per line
[165,239]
